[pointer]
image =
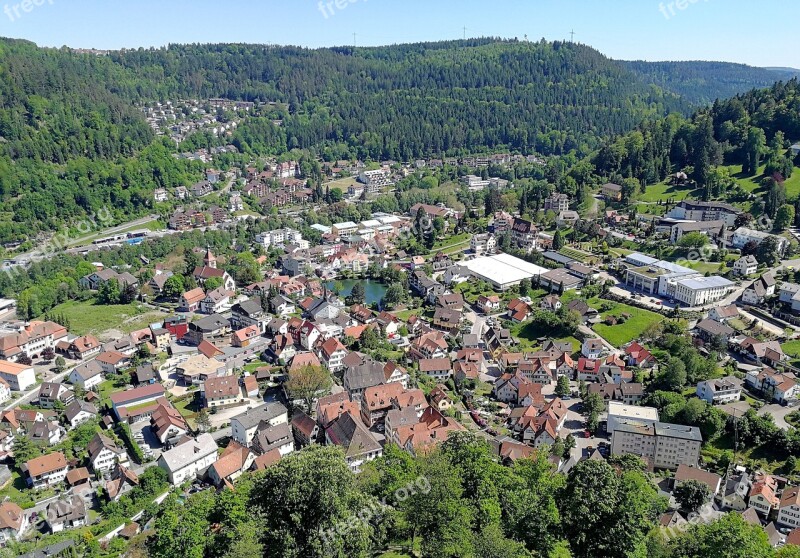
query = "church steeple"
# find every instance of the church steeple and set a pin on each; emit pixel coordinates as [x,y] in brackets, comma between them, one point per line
[210,260]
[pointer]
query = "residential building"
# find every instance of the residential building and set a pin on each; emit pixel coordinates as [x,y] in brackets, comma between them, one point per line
[79,412]
[789,507]
[758,291]
[245,425]
[46,470]
[19,377]
[358,443]
[188,459]
[66,514]
[51,393]
[223,391]
[104,454]
[611,191]
[87,375]
[746,265]
[662,445]
[720,391]
[13,522]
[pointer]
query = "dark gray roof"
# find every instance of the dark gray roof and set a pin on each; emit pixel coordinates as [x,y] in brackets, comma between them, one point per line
[348,432]
[364,375]
[252,417]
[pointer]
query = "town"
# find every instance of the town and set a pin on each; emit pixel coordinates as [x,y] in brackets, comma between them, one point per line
[560,327]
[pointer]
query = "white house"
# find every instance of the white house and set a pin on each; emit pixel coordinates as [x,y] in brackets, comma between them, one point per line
[592,348]
[19,377]
[87,375]
[185,461]
[104,454]
[746,265]
[721,391]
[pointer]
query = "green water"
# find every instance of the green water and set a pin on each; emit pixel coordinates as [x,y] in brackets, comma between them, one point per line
[373,290]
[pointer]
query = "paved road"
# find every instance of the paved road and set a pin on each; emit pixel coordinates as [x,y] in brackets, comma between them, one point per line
[778,413]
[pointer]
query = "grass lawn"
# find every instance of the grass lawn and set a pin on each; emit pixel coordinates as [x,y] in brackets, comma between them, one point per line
[661,191]
[792,348]
[703,267]
[459,239]
[633,327]
[105,389]
[88,317]
[753,183]
[404,315]
[17,491]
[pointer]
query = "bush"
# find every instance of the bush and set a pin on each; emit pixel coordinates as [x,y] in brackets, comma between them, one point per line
[133,448]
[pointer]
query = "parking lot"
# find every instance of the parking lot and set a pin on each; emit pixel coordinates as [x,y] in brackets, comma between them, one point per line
[146,439]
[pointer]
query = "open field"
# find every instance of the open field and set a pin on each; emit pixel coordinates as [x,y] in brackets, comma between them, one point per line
[87,317]
[753,183]
[618,335]
[662,191]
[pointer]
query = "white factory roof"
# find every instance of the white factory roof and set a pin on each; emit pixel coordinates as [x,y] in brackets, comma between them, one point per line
[712,282]
[371,224]
[321,228]
[503,268]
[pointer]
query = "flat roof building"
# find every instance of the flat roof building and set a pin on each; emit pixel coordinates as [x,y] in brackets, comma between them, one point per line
[503,271]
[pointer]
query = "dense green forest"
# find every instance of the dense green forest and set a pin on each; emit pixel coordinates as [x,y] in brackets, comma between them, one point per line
[456,501]
[73,140]
[752,129]
[701,83]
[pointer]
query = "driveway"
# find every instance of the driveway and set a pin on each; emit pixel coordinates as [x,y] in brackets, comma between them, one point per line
[778,413]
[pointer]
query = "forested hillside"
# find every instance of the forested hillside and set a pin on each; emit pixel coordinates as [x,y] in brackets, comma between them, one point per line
[73,140]
[701,83]
[415,100]
[70,143]
[750,130]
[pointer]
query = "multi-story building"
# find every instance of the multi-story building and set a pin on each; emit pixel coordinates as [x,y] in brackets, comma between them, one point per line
[663,445]
[743,235]
[556,202]
[30,340]
[19,377]
[690,210]
[483,243]
[245,425]
[746,265]
[789,507]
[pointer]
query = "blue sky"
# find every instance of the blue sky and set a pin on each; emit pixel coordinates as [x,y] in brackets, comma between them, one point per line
[756,32]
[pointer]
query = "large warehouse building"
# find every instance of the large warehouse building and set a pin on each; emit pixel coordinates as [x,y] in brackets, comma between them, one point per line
[503,271]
